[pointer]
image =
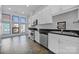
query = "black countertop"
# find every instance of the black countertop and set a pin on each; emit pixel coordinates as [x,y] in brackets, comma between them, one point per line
[53,31]
[66,34]
[73,33]
[32,28]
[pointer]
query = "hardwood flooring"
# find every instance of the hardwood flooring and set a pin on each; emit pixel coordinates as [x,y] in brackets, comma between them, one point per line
[21,45]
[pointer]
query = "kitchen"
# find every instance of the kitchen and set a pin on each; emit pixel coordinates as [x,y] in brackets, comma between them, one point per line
[57,28]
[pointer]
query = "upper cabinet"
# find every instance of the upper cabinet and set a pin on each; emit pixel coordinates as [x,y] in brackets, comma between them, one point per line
[45,16]
[70,16]
[58,13]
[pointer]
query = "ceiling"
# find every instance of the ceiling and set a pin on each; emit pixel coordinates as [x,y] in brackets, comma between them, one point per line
[27,10]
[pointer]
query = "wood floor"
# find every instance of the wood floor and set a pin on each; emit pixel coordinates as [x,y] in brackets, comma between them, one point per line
[21,45]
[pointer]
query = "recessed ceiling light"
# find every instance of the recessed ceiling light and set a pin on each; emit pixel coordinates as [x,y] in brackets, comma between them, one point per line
[9,8]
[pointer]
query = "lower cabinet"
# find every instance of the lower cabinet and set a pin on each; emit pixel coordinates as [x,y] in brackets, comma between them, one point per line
[62,44]
[53,43]
[37,36]
[69,45]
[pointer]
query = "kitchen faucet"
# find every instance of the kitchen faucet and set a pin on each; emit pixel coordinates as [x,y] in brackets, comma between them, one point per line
[62,30]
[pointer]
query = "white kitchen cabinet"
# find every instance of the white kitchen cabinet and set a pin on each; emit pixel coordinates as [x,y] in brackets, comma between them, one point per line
[37,36]
[45,19]
[53,42]
[69,45]
[62,44]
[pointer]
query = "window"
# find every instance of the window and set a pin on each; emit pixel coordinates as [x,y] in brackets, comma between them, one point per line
[6,17]
[22,20]
[6,28]
[15,19]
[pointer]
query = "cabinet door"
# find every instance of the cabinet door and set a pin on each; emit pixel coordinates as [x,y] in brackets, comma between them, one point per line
[62,44]
[69,45]
[53,42]
[37,36]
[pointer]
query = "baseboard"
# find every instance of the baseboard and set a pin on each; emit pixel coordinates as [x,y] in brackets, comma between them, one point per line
[44,47]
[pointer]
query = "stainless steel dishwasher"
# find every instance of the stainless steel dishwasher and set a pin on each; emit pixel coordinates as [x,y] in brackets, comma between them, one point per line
[44,39]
